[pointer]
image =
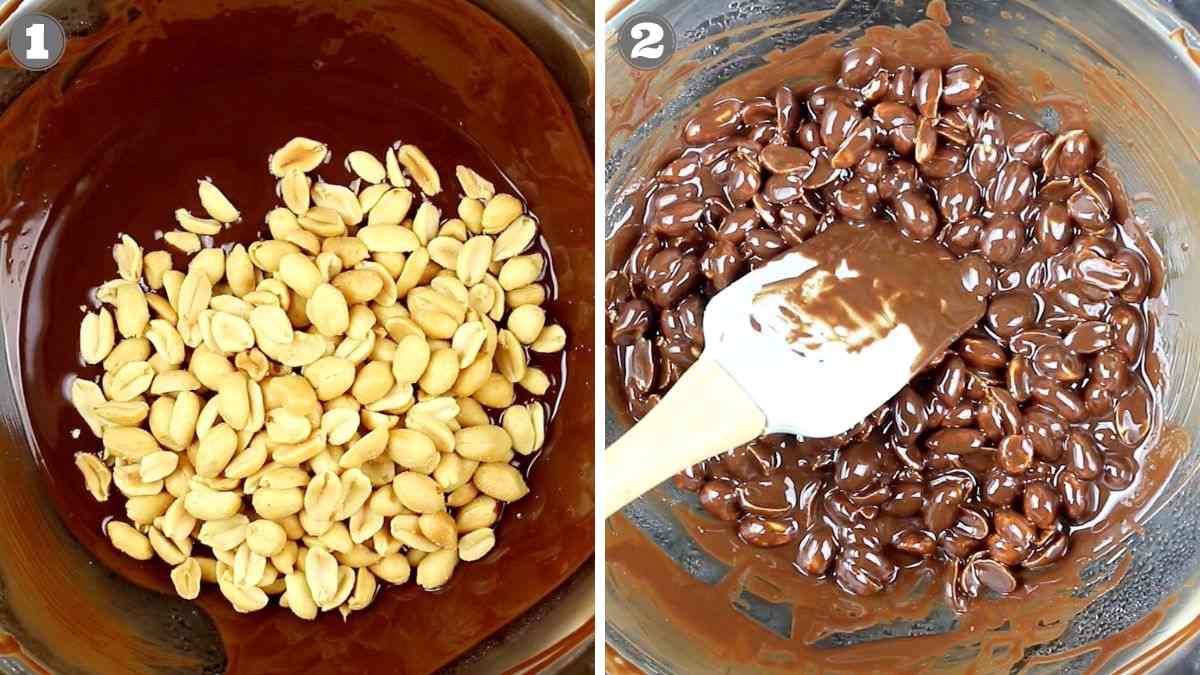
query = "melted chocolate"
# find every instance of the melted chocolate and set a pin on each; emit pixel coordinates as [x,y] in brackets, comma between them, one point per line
[990,217]
[866,282]
[113,141]
[878,264]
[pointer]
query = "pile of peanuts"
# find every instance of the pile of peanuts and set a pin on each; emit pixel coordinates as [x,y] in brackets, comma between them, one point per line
[1022,431]
[316,409]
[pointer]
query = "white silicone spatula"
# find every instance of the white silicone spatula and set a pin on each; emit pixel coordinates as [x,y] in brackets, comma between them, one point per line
[809,344]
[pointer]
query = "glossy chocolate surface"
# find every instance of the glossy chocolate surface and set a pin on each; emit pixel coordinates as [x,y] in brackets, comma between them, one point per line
[1017,433]
[113,141]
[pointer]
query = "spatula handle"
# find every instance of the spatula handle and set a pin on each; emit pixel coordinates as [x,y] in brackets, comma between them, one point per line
[704,414]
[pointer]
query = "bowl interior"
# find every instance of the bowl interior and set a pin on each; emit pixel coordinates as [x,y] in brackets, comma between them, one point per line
[1124,62]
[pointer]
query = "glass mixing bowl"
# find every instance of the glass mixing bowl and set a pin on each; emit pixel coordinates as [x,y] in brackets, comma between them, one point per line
[1146,120]
[66,612]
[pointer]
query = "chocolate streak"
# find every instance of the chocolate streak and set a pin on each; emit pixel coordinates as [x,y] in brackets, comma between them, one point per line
[866,281]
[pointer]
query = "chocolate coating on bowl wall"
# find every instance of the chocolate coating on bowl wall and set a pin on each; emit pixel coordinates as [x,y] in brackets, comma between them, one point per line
[111,157]
[1036,394]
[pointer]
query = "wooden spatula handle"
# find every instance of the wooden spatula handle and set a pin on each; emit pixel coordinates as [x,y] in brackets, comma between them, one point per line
[704,414]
